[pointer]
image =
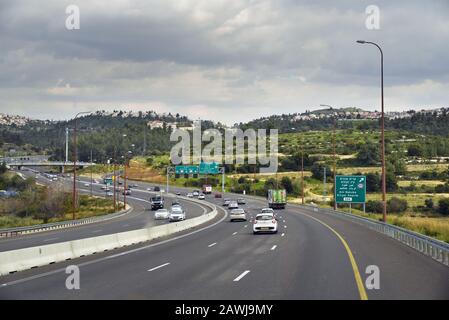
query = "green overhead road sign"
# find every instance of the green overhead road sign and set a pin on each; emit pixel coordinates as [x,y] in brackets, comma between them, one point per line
[186,169]
[209,168]
[350,189]
[202,168]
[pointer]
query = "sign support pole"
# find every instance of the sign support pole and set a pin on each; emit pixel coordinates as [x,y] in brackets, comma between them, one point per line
[223,179]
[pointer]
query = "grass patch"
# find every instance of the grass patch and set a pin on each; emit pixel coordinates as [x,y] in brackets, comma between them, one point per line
[89,207]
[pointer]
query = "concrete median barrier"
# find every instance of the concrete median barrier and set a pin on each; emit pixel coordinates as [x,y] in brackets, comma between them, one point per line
[27,258]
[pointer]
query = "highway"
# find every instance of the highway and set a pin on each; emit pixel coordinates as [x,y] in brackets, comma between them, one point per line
[313,256]
[139,217]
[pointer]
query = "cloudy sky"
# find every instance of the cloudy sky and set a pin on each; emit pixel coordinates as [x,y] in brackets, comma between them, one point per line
[225,60]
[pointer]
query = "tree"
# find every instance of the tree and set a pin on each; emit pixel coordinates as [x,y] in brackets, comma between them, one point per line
[443,206]
[415,150]
[3,168]
[391,179]
[373,182]
[269,184]
[369,154]
[318,171]
[287,184]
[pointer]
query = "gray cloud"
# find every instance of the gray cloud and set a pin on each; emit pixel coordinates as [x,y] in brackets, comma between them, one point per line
[226,60]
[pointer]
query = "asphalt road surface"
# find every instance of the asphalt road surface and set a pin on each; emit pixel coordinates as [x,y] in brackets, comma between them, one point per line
[313,256]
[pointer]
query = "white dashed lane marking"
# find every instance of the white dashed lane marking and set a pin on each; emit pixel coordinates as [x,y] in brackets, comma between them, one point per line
[241,276]
[158,267]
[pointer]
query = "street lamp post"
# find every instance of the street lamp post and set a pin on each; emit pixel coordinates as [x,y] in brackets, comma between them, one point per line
[384,181]
[74,161]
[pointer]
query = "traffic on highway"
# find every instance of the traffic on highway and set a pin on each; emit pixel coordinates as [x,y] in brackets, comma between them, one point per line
[223,159]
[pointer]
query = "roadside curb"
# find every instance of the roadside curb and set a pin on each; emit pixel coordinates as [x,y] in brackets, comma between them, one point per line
[27,258]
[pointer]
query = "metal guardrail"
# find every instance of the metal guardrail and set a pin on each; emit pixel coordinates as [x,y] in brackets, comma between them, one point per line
[433,248]
[437,250]
[12,232]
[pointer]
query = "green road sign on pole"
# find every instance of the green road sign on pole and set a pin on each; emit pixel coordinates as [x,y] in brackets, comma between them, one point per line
[209,168]
[350,189]
[186,170]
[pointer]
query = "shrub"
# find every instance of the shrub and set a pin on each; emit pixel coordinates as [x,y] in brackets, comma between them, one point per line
[374,206]
[443,206]
[397,205]
[429,203]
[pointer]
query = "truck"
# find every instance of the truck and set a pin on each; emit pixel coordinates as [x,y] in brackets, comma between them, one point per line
[277,198]
[207,189]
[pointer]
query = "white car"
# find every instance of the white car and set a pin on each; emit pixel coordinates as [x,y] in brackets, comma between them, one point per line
[226,202]
[177,214]
[190,195]
[196,193]
[201,196]
[265,222]
[267,210]
[87,184]
[237,214]
[233,205]
[161,214]
[109,193]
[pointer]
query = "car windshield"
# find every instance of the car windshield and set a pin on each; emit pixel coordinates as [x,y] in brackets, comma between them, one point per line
[156,199]
[264,217]
[162,211]
[237,211]
[176,210]
[267,211]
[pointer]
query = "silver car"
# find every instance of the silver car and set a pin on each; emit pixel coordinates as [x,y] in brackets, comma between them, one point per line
[237,214]
[161,214]
[177,214]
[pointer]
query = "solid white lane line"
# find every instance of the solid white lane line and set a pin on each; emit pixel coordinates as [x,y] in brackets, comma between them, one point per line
[273,247]
[234,233]
[212,244]
[158,267]
[241,276]
[87,263]
[50,239]
[282,234]
[96,231]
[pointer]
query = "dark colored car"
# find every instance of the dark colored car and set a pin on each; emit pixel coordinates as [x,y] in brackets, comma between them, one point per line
[157,189]
[157,202]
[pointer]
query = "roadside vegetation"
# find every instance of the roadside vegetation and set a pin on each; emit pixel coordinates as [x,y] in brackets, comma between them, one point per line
[31,204]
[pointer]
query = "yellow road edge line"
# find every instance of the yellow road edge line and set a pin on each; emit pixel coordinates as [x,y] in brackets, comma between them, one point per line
[355,268]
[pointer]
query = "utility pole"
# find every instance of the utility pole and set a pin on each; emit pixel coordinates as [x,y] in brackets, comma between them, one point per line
[334,152]
[144,149]
[335,160]
[66,145]
[91,174]
[124,184]
[74,163]
[302,173]
[114,177]
[324,184]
